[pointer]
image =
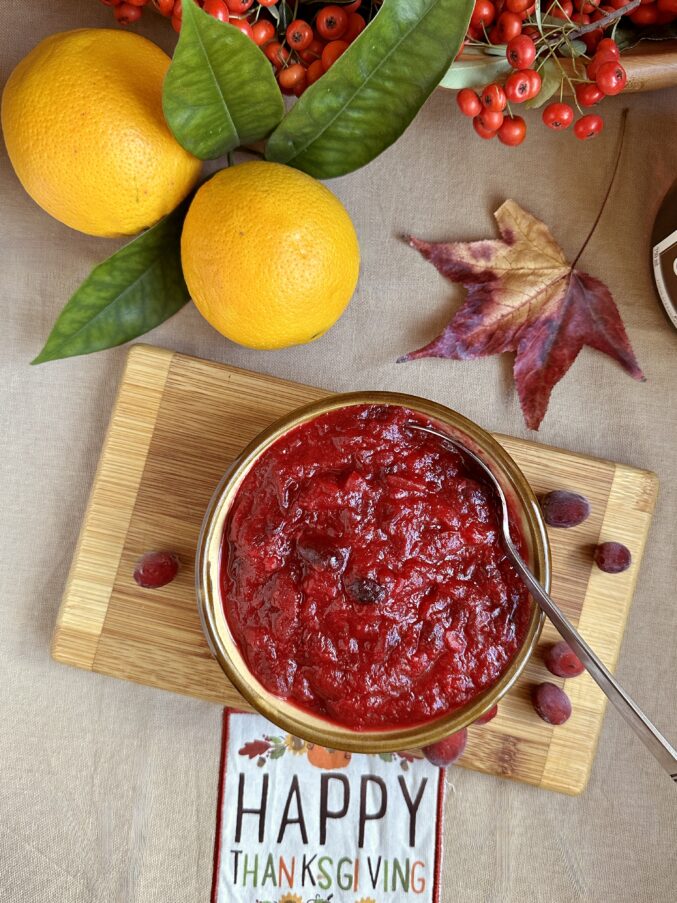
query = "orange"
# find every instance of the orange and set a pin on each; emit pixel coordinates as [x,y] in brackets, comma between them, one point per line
[83,123]
[269,254]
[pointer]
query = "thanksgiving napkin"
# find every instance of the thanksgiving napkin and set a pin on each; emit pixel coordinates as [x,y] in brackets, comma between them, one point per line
[300,823]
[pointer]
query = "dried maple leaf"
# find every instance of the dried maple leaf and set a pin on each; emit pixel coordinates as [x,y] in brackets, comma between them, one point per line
[524,296]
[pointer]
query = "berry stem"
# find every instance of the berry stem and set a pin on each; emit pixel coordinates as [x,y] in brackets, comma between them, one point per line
[624,119]
[605,20]
[551,53]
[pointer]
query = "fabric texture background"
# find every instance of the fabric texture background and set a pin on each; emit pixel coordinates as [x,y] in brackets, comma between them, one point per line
[107,789]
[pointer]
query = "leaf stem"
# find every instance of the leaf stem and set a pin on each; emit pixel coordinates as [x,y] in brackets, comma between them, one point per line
[624,119]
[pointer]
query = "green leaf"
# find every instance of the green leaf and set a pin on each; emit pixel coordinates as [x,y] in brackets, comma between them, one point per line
[572,49]
[539,17]
[283,15]
[373,91]
[628,35]
[495,49]
[220,91]
[474,73]
[551,76]
[624,35]
[387,757]
[128,294]
[552,23]
[278,752]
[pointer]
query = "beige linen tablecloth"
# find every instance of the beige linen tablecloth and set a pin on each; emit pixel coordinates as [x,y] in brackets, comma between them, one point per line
[107,789]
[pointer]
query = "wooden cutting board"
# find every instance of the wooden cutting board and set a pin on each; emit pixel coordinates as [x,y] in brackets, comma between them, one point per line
[177,424]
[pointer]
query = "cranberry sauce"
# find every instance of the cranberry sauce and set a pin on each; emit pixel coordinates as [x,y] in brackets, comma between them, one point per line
[362,573]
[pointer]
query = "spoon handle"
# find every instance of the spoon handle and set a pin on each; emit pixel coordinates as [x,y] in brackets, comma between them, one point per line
[647,732]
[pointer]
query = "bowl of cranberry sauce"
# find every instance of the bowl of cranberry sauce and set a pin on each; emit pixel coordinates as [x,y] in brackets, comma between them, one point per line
[351,579]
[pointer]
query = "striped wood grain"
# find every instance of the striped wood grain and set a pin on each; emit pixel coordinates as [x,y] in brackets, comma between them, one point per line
[178,422]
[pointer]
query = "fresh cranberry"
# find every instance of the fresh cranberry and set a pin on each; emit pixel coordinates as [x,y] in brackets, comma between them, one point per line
[551,703]
[562,661]
[488,716]
[447,751]
[562,508]
[612,557]
[155,569]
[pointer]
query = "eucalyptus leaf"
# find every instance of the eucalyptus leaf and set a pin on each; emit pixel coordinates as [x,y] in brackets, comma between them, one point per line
[128,294]
[282,13]
[551,76]
[625,35]
[373,91]
[286,14]
[572,48]
[495,49]
[659,32]
[539,16]
[220,91]
[475,73]
[551,21]
[629,35]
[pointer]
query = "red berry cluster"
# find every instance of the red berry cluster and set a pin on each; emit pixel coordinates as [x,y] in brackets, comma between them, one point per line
[528,47]
[300,53]
[306,51]
[661,13]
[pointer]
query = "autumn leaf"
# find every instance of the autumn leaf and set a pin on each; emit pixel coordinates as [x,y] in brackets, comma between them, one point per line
[254,748]
[524,296]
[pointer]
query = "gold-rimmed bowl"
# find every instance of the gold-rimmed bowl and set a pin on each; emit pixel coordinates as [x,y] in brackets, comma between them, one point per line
[288,715]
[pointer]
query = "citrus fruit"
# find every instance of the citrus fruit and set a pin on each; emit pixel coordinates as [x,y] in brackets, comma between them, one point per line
[83,123]
[269,254]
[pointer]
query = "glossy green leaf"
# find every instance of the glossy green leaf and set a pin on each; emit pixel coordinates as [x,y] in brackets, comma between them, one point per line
[220,91]
[128,294]
[374,90]
[475,73]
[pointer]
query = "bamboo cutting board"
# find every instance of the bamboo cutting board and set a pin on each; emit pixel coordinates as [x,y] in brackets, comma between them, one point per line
[176,425]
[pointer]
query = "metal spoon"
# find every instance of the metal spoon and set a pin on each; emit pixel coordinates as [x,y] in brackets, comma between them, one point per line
[650,736]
